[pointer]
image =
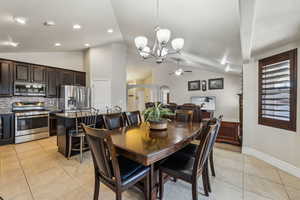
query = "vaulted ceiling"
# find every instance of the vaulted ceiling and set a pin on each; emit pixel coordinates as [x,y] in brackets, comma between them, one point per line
[212,29]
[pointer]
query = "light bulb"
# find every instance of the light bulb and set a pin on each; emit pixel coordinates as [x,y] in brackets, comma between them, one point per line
[178,43]
[178,72]
[140,42]
[163,36]
[145,52]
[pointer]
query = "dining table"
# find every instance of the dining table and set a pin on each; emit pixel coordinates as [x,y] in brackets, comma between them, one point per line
[149,147]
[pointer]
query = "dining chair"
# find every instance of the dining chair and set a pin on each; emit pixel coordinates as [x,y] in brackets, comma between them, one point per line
[133,118]
[191,149]
[116,172]
[184,115]
[187,168]
[86,117]
[114,121]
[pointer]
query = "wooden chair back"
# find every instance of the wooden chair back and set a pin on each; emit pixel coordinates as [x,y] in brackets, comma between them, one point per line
[184,115]
[203,150]
[104,154]
[114,121]
[133,118]
[86,117]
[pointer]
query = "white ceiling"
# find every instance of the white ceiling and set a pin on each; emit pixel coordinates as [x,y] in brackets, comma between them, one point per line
[211,28]
[95,16]
[277,23]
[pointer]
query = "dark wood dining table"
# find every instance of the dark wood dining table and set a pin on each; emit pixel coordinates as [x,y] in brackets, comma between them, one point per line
[148,147]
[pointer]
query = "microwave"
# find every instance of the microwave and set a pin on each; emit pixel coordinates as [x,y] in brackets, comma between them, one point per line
[29,89]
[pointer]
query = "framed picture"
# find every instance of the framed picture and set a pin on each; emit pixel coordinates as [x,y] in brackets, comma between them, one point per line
[215,84]
[194,85]
[203,85]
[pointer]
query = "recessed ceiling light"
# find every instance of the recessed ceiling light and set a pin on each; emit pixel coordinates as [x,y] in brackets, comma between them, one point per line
[224,60]
[76,26]
[110,30]
[10,43]
[20,20]
[87,45]
[49,23]
[57,44]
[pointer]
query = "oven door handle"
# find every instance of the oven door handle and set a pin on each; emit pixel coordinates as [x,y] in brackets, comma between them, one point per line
[32,116]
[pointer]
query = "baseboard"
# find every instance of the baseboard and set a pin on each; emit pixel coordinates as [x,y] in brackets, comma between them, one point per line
[284,166]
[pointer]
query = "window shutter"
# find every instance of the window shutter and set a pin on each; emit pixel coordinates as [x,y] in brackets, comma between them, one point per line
[278,90]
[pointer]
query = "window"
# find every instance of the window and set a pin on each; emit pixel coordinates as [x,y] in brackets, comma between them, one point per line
[278,90]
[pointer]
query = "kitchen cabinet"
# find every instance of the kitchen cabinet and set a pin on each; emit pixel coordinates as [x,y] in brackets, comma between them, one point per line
[6,78]
[52,82]
[38,74]
[80,78]
[30,73]
[66,77]
[7,135]
[22,72]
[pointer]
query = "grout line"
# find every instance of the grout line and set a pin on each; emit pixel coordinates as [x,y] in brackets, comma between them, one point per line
[24,174]
[284,186]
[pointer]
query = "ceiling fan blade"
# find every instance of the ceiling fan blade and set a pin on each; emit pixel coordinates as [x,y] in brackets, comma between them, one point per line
[188,71]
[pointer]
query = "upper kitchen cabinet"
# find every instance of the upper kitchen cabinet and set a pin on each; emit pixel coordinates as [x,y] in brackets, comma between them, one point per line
[6,78]
[66,77]
[80,78]
[30,73]
[22,72]
[38,74]
[52,82]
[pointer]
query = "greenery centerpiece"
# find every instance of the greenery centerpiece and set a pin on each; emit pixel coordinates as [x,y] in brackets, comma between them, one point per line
[155,116]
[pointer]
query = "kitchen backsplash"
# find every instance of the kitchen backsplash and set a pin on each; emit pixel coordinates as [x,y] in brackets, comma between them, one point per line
[5,103]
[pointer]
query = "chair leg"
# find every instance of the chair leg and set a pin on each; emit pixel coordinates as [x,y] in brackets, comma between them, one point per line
[194,190]
[81,149]
[70,147]
[118,195]
[161,185]
[211,162]
[207,178]
[146,187]
[204,180]
[97,188]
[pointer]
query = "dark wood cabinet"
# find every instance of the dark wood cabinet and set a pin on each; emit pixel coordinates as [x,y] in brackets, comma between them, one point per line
[52,82]
[80,78]
[66,77]
[38,74]
[7,135]
[229,133]
[6,78]
[22,72]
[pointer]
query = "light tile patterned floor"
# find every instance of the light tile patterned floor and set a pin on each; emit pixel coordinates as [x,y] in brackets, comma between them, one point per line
[36,171]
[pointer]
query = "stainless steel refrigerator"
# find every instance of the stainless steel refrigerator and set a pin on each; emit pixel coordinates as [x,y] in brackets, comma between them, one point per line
[74,98]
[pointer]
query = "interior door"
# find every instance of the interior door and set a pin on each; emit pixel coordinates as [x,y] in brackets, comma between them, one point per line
[101,91]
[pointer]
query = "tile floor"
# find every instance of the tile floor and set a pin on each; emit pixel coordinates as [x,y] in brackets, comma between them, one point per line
[36,171]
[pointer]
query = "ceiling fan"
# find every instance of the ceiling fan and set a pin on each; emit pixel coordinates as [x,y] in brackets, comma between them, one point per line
[179,71]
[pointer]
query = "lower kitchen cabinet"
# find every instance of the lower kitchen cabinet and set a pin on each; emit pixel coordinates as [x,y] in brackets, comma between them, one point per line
[7,133]
[229,133]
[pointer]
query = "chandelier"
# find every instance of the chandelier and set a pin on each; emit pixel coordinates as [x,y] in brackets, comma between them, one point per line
[161,47]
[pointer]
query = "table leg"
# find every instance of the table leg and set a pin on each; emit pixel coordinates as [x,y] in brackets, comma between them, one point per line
[153,191]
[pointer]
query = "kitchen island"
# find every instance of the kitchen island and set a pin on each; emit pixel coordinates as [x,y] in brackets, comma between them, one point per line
[65,122]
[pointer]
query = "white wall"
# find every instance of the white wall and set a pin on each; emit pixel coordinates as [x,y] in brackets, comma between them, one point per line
[68,60]
[108,62]
[227,100]
[277,143]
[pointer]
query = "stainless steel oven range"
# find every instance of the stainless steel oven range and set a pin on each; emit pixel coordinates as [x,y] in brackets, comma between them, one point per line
[31,121]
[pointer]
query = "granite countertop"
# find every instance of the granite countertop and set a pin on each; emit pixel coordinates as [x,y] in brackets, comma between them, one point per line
[5,111]
[72,115]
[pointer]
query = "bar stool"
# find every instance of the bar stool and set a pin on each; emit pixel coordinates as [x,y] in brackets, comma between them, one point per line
[86,117]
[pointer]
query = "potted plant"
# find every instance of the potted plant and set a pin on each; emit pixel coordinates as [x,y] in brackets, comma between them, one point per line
[154,115]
